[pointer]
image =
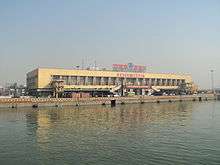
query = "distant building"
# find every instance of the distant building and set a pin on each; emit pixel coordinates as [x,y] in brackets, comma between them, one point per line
[217,90]
[13,90]
[53,82]
[1,90]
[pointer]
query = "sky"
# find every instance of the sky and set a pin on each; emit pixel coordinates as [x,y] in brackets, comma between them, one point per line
[172,36]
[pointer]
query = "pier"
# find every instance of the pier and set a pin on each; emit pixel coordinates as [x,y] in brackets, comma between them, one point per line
[57,102]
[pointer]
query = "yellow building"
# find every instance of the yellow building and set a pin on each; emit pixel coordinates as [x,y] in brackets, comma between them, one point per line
[44,81]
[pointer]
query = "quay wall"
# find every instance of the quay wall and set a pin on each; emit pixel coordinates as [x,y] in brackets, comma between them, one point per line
[56,102]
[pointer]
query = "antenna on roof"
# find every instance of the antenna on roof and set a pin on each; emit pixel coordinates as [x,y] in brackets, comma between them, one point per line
[82,64]
[95,65]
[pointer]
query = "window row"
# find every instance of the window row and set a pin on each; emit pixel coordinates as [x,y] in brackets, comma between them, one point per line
[86,80]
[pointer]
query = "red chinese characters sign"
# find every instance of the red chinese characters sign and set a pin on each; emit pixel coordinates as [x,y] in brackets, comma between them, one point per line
[130,75]
[129,67]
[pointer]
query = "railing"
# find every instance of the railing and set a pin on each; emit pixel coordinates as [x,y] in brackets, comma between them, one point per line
[55,100]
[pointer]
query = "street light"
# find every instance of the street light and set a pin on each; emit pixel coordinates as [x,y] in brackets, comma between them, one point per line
[212,80]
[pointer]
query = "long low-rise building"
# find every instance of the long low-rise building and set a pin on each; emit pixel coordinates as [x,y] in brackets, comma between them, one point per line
[51,81]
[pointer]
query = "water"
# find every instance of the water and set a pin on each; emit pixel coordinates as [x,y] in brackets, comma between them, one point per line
[165,133]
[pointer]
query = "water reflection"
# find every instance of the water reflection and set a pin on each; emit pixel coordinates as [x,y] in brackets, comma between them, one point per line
[43,122]
[50,123]
[128,134]
[98,116]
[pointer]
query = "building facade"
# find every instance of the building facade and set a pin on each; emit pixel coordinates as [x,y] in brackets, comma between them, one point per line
[49,81]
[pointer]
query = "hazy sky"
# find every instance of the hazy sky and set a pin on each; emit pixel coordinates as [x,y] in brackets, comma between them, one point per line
[181,36]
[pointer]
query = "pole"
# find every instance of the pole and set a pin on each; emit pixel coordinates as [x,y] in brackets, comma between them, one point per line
[212,81]
[95,64]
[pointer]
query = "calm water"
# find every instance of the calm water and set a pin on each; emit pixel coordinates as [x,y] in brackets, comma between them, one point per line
[165,133]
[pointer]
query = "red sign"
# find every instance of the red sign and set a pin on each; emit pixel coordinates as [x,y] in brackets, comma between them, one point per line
[119,66]
[129,67]
[130,75]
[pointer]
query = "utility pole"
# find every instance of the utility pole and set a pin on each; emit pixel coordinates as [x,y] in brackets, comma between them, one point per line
[212,80]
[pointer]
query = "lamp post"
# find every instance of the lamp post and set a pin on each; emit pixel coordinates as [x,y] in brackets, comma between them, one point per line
[212,80]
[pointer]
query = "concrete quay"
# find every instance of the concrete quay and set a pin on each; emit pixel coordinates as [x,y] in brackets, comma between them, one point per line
[57,102]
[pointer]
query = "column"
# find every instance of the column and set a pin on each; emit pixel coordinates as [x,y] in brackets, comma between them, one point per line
[150,82]
[125,81]
[155,82]
[166,82]
[136,82]
[77,80]
[102,81]
[117,82]
[109,80]
[143,92]
[86,80]
[175,82]
[67,80]
[160,82]
[143,82]
[94,81]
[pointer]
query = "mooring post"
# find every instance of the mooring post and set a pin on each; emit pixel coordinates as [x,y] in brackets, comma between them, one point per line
[113,103]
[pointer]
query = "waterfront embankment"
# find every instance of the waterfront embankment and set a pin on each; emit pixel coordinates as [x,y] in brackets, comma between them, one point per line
[46,102]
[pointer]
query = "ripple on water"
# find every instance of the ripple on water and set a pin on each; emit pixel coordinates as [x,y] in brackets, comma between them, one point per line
[177,133]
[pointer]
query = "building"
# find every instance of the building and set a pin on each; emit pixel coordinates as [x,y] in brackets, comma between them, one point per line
[1,90]
[13,90]
[63,82]
[217,90]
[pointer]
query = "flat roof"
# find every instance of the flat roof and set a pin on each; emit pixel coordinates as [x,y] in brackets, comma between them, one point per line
[102,70]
